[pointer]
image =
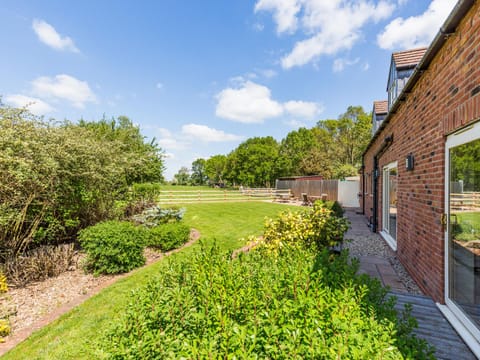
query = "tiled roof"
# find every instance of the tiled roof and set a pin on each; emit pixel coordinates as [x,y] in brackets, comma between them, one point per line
[380,107]
[408,58]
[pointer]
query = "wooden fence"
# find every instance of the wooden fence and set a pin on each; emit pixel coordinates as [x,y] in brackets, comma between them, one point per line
[314,188]
[466,201]
[211,196]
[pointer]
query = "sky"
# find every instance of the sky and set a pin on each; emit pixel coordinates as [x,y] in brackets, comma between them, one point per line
[203,76]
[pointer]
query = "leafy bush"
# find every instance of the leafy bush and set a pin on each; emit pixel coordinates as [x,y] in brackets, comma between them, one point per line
[113,247]
[168,236]
[59,177]
[156,215]
[39,264]
[260,306]
[334,206]
[312,227]
[147,192]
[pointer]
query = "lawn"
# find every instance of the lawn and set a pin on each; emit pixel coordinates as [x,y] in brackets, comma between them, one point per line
[74,335]
[467,227]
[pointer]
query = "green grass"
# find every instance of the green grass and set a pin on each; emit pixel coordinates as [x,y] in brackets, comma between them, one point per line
[74,335]
[467,227]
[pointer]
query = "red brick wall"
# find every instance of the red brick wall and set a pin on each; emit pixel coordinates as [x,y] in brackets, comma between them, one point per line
[445,98]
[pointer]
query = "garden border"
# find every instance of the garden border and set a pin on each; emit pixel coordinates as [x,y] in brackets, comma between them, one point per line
[21,335]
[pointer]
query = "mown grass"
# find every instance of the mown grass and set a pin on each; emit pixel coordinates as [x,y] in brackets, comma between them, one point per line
[75,334]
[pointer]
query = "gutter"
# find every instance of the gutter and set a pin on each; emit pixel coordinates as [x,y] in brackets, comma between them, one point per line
[449,27]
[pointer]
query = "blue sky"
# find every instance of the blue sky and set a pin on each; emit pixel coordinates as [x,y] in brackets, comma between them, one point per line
[203,76]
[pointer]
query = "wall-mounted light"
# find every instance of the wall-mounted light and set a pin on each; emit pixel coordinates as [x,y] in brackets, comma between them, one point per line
[409,162]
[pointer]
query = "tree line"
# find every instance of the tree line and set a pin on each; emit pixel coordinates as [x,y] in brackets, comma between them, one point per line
[332,148]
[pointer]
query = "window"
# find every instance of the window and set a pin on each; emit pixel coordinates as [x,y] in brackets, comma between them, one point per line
[389,204]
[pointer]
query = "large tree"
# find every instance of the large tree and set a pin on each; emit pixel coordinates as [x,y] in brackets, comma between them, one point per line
[199,176]
[347,138]
[294,148]
[182,177]
[254,162]
[215,168]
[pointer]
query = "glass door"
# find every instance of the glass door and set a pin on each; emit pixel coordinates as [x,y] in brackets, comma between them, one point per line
[463,226]
[389,204]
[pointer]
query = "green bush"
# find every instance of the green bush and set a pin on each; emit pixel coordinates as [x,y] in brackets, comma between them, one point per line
[147,192]
[168,236]
[57,178]
[311,227]
[113,247]
[335,207]
[300,305]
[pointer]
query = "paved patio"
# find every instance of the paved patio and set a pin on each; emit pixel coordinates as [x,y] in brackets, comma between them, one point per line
[376,266]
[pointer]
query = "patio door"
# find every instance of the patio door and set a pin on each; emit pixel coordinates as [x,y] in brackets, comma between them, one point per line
[389,205]
[462,188]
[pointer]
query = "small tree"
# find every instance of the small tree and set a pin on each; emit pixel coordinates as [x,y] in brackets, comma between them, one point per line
[182,177]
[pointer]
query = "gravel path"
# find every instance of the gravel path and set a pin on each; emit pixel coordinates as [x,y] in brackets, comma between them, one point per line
[365,243]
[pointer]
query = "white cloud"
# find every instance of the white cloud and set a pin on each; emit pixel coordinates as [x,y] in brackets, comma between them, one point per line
[172,144]
[49,36]
[304,109]
[248,103]
[207,134]
[295,124]
[268,73]
[159,86]
[416,31]
[164,133]
[64,87]
[331,26]
[365,66]
[284,13]
[36,106]
[340,64]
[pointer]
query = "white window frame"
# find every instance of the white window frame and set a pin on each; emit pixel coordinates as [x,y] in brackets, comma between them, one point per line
[385,232]
[469,332]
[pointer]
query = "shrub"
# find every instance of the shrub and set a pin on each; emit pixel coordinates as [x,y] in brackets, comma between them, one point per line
[113,247]
[312,227]
[156,215]
[39,264]
[334,206]
[5,329]
[260,306]
[4,313]
[3,283]
[168,236]
[59,177]
[147,192]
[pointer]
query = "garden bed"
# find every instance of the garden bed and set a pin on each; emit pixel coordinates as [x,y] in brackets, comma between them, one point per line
[38,304]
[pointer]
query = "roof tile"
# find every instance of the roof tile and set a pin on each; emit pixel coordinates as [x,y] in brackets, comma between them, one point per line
[380,107]
[408,58]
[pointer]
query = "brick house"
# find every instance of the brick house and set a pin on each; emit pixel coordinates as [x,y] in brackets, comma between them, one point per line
[420,183]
